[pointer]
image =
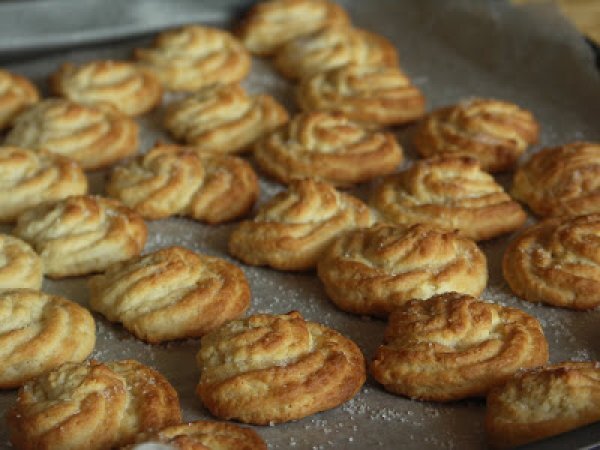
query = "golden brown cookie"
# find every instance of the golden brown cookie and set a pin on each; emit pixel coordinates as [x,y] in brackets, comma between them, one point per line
[540,403]
[270,24]
[291,231]
[332,47]
[453,346]
[328,147]
[20,266]
[223,119]
[493,131]
[28,178]
[557,262]
[368,94]
[451,192]
[172,180]
[92,406]
[375,270]
[562,180]
[272,369]
[205,435]
[82,234]
[94,136]
[172,293]
[193,57]
[16,93]
[39,332]
[129,88]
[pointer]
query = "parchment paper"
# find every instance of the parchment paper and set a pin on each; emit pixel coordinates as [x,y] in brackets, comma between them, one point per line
[452,50]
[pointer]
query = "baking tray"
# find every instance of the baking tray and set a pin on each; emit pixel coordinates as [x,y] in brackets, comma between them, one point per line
[451,50]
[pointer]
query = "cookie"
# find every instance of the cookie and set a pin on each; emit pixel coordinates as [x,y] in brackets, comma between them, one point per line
[172,293]
[171,180]
[561,180]
[270,24]
[373,271]
[129,88]
[92,406]
[291,231]
[16,93]
[540,403]
[193,57]
[94,136]
[272,369]
[454,346]
[205,435]
[375,95]
[39,332]
[223,119]
[557,262]
[332,47]
[28,178]
[328,147]
[494,132]
[20,266]
[82,234]
[451,192]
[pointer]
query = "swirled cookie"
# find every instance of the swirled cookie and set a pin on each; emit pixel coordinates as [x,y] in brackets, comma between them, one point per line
[173,293]
[129,88]
[292,230]
[28,178]
[540,403]
[561,180]
[94,136]
[493,131]
[39,332]
[170,180]
[451,192]
[92,406]
[82,234]
[272,369]
[328,147]
[368,94]
[223,119]
[375,270]
[333,47]
[270,24]
[16,93]
[557,262]
[205,435]
[193,57]
[20,266]
[454,346]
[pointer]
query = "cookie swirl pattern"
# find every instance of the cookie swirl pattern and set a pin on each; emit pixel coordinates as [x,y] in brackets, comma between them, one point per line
[16,93]
[193,57]
[39,332]
[451,192]
[28,178]
[277,368]
[94,136]
[130,89]
[328,147]
[173,293]
[557,262]
[224,119]
[20,266]
[82,234]
[93,406]
[493,131]
[375,270]
[454,346]
[292,230]
[368,94]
